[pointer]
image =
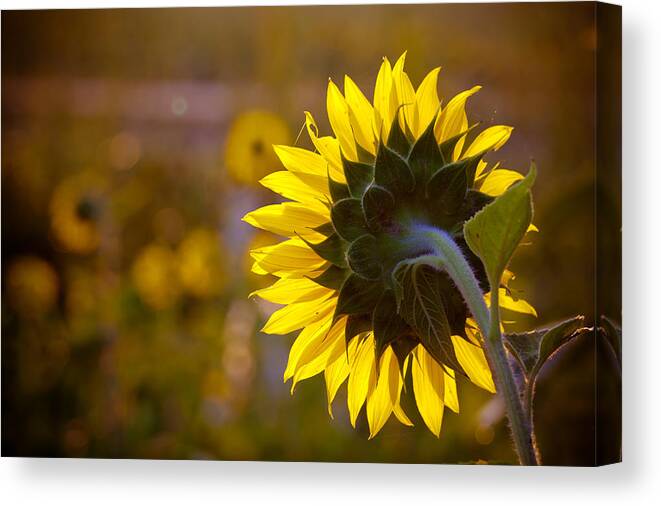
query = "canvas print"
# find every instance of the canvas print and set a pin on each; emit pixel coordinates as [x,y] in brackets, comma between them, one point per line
[313,233]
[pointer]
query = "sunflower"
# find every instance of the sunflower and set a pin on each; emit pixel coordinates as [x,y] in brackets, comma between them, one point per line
[32,286]
[76,209]
[248,153]
[400,160]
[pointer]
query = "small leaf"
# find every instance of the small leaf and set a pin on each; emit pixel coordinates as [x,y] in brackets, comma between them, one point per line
[359,176]
[331,249]
[425,157]
[331,278]
[494,232]
[397,140]
[326,229]
[447,187]
[363,257]
[358,295]
[378,207]
[348,219]
[392,172]
[387,324]
[420,302]
[533,349]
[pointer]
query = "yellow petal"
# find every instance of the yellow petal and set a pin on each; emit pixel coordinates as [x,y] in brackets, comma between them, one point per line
[499,180]
[506,301]
[298,315]
[474,362]
[315,359]
[452,120]
[338,116]
[428,387]
[363,372]
[309,336]
[328,147]
[289,186]
[289,290]
[405,96]
[385,100]
[337,373]
[397,409]
[426,98]
[450,396]
[382,394]
[289,219]
[491,138]
[291,258]
[361,115]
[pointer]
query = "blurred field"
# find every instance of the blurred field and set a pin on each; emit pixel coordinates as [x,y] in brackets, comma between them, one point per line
[126,327]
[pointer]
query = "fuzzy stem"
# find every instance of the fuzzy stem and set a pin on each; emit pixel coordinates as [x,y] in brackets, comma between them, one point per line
[449,257]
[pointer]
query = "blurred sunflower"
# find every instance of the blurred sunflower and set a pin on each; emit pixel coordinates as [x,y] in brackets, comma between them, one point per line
[248,152]
[32,286]
[154,274]
[201,264]
[397,161]
[76,209]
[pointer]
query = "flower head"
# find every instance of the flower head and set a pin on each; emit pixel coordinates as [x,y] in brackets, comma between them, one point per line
[392,165]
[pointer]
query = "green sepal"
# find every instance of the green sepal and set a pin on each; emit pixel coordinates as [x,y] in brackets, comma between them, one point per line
[447,146]
[397,140]
[378,207]
[364,156]
[358,175]
[331,249]
[402,347]
[357,295]
[420,302]
[388,326]
[392,172]
[332,278]
[357,324]
[326,229]
[348,219]
[425,157]
[447,188]
[532,349]
[337,190]
[363,257]
[495,232]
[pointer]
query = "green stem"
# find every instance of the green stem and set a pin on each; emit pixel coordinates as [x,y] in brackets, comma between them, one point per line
[449,257]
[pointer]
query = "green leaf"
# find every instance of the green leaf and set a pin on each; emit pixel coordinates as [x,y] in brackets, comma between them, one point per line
[358,295]
[447,187]
[363,257]
[392,172]
[533,349]
[348,219]
[397,140]
[386,322]
[419,295]
[331,249]
[494,232]
[378,207]
[425,157]
[358,175]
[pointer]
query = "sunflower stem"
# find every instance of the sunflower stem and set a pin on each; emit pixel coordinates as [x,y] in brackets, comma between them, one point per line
[448,256]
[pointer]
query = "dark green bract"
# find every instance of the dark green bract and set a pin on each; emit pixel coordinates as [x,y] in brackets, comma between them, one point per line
[371,248]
